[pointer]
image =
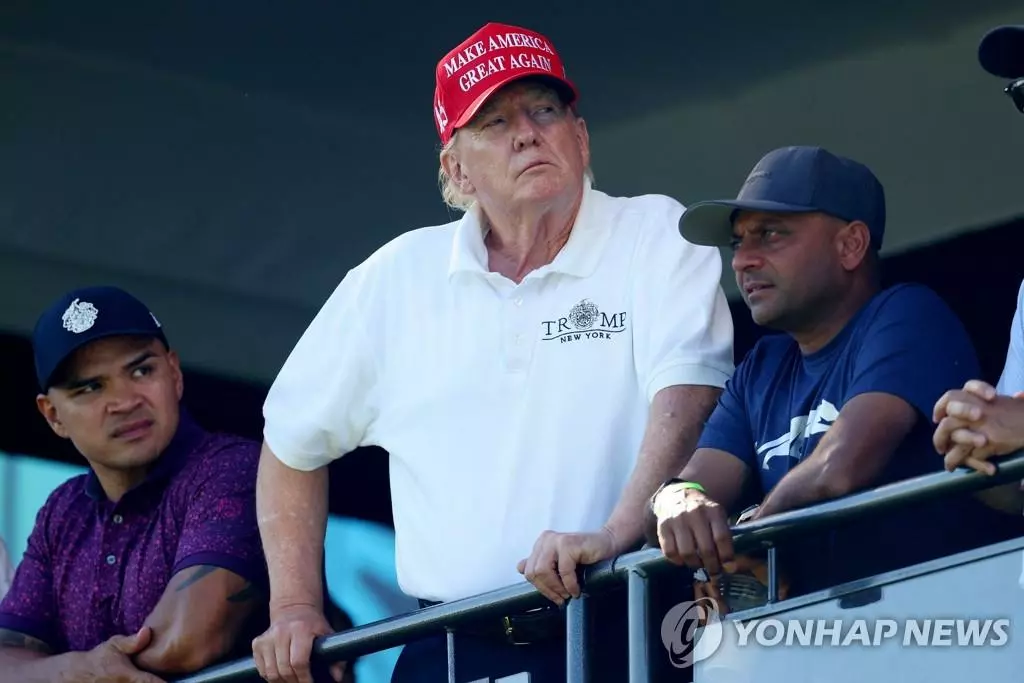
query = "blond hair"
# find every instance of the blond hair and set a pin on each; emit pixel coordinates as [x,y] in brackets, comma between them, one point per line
[450,192]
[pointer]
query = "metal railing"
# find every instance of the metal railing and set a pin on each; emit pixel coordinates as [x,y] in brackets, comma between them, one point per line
[635,569]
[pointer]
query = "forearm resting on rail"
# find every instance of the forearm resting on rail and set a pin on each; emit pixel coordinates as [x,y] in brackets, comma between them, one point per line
[675,420]
[24,659]
[198,620]
[291,506]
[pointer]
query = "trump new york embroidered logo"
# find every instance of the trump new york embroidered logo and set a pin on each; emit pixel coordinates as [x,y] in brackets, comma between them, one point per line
[585,320]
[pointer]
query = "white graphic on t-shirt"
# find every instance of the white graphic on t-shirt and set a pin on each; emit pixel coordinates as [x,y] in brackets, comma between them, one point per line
[816,422]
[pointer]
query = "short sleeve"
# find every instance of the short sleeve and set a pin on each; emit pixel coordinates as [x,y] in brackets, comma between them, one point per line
[321,404]
[30,606]
[728,427]
[220,527]
[915,348]
[1012,379]
[683,330]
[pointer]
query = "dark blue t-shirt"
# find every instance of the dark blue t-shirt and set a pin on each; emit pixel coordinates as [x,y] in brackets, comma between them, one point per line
[905,342]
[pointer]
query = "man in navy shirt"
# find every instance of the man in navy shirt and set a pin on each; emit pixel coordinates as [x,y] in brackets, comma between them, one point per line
[842,401]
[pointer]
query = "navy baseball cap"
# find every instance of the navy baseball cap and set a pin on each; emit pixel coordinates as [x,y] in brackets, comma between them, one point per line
[794,180]
[1001,51]
[85,315]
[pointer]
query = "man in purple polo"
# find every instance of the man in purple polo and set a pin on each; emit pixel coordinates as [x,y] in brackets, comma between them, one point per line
[151,563]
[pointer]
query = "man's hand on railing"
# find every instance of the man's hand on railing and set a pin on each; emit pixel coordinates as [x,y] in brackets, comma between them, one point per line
[282,654]
[693,529]
[551,567]
[976,424]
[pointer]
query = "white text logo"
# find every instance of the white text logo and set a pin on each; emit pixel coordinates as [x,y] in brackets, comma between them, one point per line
[816,422]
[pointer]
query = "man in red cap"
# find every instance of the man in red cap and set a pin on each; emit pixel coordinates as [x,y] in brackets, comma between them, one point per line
[534,369]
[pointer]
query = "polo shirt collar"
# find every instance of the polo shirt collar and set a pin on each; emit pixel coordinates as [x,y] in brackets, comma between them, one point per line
[186,439]
[579,257]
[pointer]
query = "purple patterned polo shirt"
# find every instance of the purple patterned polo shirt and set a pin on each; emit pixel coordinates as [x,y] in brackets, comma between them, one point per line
[94,569]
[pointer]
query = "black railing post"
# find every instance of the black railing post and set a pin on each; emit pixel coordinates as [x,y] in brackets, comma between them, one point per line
[451,654]
[773,575]
[638,602]
[577,645]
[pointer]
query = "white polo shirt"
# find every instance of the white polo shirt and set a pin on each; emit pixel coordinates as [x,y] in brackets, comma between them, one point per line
[506,409]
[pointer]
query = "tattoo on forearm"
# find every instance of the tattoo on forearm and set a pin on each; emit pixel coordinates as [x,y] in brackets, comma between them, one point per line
[246,593]
[196,576]
[250,592]
[21,641]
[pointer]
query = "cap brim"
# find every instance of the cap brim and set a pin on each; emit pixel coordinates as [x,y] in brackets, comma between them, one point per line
[567,88]
[47,382]
[1001,51]
[710,223]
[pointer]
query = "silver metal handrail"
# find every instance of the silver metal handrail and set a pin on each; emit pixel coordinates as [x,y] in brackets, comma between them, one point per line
[634,568]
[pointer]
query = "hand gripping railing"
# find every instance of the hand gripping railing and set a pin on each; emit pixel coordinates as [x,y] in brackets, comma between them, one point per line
[635,568]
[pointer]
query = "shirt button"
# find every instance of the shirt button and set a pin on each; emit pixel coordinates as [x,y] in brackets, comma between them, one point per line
[519,339]
[118,519]
[111,559]
[519,301]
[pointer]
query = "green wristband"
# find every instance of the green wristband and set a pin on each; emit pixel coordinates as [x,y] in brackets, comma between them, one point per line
[674,482]
[683,484]
[677,482]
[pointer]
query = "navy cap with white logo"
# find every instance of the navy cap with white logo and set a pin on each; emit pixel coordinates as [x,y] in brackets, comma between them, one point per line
[794,180]
[85,315]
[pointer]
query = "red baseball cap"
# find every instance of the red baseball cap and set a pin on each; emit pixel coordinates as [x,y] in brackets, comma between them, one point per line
[492,57]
